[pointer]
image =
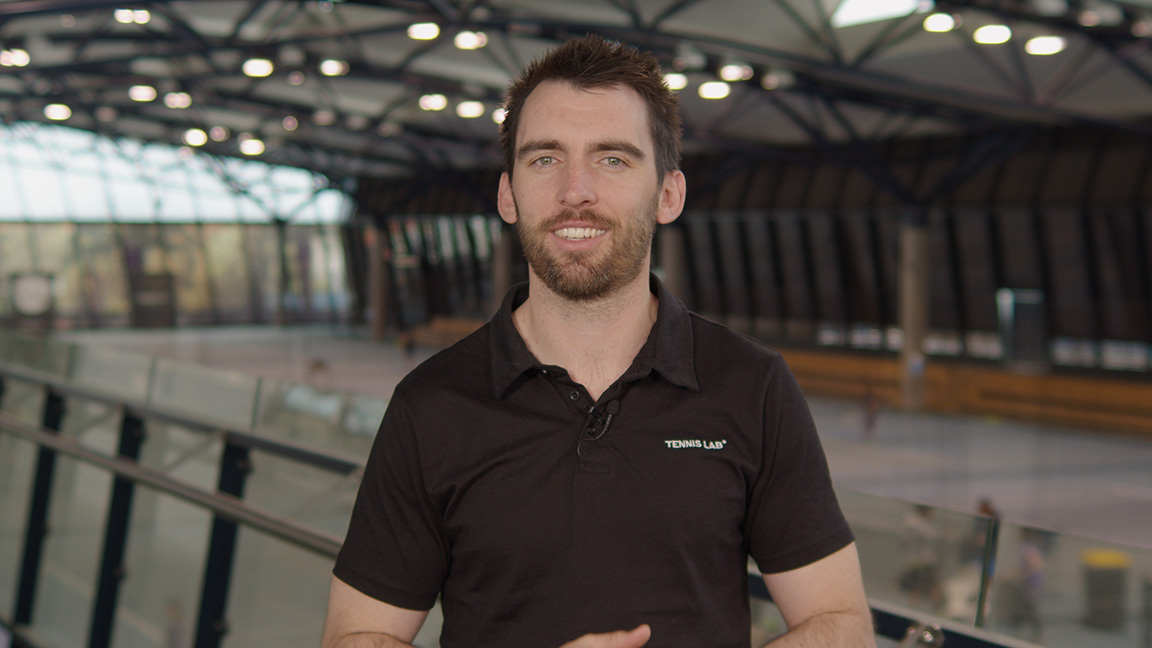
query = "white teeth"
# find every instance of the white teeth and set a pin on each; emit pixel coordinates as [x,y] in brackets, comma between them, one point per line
[578,233]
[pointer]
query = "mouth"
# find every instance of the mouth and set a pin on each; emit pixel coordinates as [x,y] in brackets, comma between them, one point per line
[578,233]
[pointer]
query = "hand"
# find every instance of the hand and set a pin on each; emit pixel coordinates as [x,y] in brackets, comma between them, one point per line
[633,638]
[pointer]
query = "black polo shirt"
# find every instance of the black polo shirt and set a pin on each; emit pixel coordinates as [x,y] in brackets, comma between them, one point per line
[493,483]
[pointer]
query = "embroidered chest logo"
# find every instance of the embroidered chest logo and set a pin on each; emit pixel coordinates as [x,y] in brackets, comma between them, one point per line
[687,444]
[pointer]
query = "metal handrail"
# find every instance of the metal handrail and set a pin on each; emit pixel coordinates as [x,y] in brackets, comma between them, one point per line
[326,460]
[226,506]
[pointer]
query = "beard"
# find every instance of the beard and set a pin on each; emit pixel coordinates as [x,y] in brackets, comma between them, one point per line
[586,276]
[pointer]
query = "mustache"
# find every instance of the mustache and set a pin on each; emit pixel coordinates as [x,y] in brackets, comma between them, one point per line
[590,216]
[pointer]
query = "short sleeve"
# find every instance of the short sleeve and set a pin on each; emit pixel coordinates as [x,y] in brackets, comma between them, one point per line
[793,517]
[395,550]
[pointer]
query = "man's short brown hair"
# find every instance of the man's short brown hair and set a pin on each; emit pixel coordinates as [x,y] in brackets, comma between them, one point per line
[595,62]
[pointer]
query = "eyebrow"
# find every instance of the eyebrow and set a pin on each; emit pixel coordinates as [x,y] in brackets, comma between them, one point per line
[600,147]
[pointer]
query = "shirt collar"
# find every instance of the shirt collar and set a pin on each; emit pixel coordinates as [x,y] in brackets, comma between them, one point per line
[668,350]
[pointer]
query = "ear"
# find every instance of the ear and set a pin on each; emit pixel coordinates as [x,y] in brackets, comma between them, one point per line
[505,203]
[672,192]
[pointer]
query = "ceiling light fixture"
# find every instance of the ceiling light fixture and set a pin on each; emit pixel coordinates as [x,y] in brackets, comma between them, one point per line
[939,23]
[334,67]
[124,16]
[423,31]
[470,40]
[14,57]
[257,67]
[142,93]
[676,80]
[992,35]
[714,90]
[218,133]
[1045,45]
[324,117]
[469,109]
[499,115]
[296,78]
[177,100]
[195,137]
[290,123]
[57,112]
[733,72]
[141,16]
[433,102]
[252,146]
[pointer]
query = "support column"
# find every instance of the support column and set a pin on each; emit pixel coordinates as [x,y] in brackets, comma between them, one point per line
[503,265]
[379,281]
[672,262]
[914,305]
[284,281]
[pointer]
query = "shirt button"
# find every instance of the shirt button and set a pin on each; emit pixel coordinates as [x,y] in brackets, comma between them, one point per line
[574,395]
[544,371]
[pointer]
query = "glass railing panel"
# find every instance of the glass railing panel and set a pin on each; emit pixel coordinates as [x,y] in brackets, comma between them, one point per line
[269,605]
[71,553]
[111,372]
[17,466]
[164,564]
[306,494]
[335,422]
[211,395]
[1068,591]
[42,355]
[23,400]
[918,557]
[183,454]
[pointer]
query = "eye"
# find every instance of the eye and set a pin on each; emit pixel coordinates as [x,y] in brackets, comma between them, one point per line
[614,162]
[544,160]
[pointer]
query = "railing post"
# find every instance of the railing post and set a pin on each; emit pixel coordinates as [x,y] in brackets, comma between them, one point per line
[37,526]
[112,569]
[987,565]
[212,624]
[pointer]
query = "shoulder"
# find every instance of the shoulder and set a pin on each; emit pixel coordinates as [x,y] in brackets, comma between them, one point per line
[719,345]
[464,366]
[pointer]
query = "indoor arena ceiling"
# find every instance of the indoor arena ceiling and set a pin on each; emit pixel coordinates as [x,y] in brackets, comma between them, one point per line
[811,82]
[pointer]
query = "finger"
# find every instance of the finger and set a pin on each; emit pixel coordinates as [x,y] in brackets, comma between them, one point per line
[633,638]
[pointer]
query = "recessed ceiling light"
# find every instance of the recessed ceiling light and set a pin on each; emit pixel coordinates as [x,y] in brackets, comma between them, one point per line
[676,80]
[939,23]
[57,112]
[333,67]
[142,93]
[992,35]
[469,109]
[714,90]
[433,102]
[423,31]
[195,137]
[257,67]
[1045,45]
[252,146]
[470,40]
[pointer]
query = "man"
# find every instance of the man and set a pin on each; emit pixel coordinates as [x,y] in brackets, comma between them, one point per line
[595,465]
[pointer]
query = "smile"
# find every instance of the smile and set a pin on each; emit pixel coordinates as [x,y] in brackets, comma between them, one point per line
[578,233]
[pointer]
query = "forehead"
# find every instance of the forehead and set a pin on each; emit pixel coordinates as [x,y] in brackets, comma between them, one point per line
[561,111]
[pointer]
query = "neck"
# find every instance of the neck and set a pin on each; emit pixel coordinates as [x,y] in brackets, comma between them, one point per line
[595,341]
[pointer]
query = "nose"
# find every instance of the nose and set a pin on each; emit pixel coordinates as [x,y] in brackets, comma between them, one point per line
[578,187]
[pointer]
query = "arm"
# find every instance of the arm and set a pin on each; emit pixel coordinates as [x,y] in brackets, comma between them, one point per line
[356,620]
[823,603]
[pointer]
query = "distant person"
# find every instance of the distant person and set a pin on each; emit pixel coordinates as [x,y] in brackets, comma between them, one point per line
[920,576]
[594,466]
[1023,587]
